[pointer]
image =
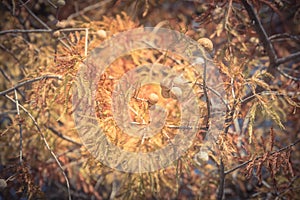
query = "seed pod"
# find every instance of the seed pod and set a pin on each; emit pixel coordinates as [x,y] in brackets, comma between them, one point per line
[56,34]
[3,183]
[178,80]
[102,34]
[207,44]
[175,93]
[60,3]
[153,98]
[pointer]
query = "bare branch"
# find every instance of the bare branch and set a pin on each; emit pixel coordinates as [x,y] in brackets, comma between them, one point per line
[20,127]
[41,22]
[86,41]
[53,130]
[287,75]
[52,4]
[89,8]
[261,34]
[7,77]
[26,31]
[269,93]
[217,94]
[284,36]
[9,52]
[229,11]
[288,58]
[268,46]
[222,181]
[46,143]
[34,16]
[40,30]
[206,95]
[29,81]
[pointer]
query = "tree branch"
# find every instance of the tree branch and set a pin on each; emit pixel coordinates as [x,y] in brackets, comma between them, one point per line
[222,181]
[268,46]
[41,22]
[53,130]
[34,16]
[40,30]
[262,35]
[26,31]
[287,58]
[20,127]
[89,8]
[287,75]
[29,81]
[277,151]
[206,95]
[45,142]
[284,36]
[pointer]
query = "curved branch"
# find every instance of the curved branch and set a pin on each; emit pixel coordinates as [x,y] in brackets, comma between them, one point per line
[284,36]
[287,75]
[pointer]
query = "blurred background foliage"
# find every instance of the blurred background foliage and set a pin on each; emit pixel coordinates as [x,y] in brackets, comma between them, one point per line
[43,43]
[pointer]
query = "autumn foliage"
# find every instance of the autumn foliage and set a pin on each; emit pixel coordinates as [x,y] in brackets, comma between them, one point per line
[255,45]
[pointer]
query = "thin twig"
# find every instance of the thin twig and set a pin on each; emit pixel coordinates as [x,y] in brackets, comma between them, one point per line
[86,41]
[235,121]
[246,122]
[42,23]
[269,93]
[228,120]
[222,181]
[25,3]
[46,143]
[89,8]
[25,31]
[62,136]
[289,187]
[229,117]
[13,8]
[268,46]
[228,12]
[263,37]
[30,81]
[261,34]
[288,58]
[52,4]
[9,52]
[174,126]
[284,36]
[20,127]
[14,31]
[217,94]
[221,166]
[287,75]
[206,95]
[277,151]
[7,77]
[34,16]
